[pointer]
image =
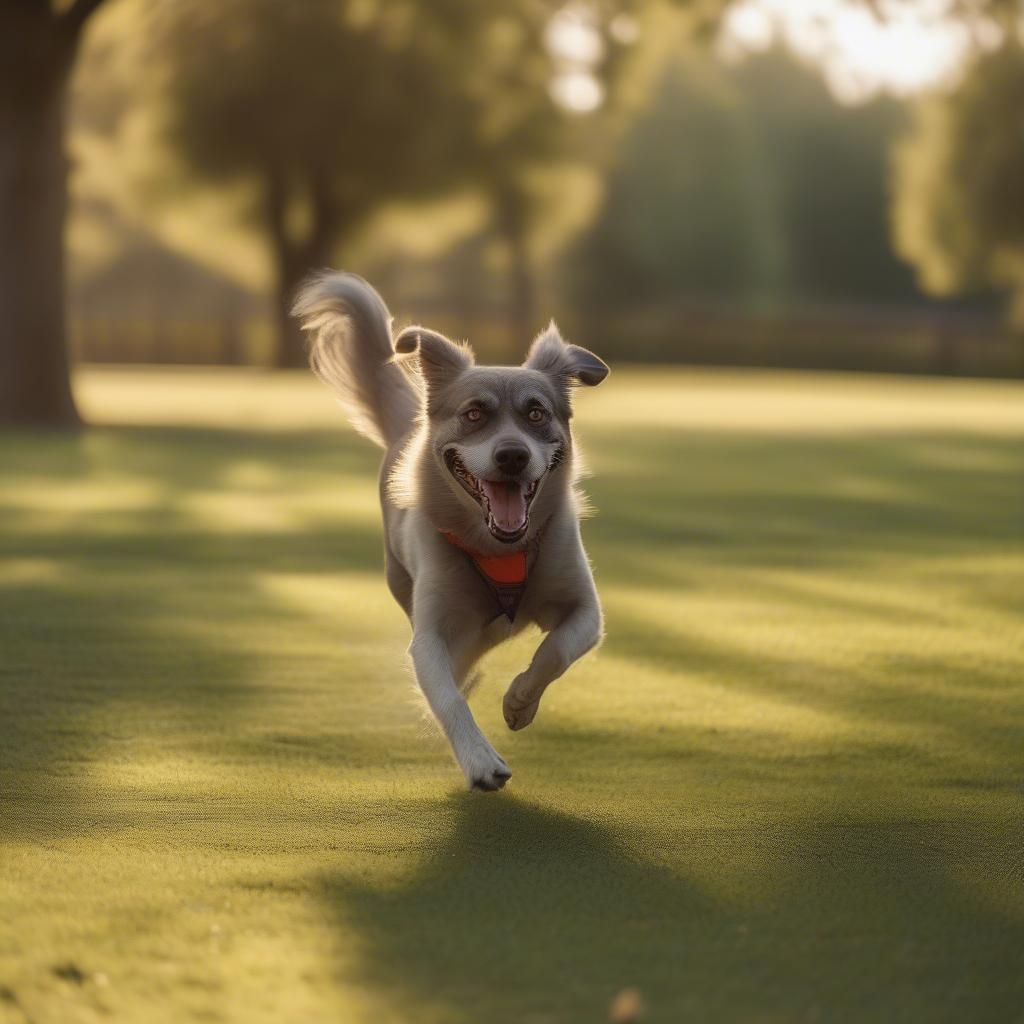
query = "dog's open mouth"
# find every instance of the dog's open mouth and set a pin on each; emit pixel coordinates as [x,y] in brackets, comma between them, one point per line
[505,503]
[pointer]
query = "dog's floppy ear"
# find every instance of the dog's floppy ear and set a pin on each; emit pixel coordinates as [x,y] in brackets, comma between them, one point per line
[440,360]
[568,363]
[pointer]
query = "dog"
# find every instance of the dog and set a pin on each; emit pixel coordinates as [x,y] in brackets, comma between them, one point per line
[479,500]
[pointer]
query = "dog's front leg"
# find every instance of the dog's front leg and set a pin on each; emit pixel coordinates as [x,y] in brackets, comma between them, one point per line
[569,640]
[479,761]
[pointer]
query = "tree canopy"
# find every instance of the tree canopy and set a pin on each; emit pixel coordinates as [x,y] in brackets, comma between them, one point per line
[328,109]
[959,182]
[748,185]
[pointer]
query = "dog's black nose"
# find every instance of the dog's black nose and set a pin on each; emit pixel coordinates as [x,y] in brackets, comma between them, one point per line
[512,458]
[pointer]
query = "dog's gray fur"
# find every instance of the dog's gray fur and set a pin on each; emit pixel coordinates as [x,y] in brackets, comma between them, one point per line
[413,394]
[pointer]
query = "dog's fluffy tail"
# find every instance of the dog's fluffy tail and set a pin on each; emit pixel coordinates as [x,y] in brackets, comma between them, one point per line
[352,351]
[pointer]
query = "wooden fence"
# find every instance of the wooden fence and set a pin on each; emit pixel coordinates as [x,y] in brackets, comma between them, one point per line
[883,341]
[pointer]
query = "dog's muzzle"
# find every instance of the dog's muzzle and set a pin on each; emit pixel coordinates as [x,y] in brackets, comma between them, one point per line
[505,503]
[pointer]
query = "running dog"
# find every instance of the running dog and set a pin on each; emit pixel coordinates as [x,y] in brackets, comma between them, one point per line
[481,513]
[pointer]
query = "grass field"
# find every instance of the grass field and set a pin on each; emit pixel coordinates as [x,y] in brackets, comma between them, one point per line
[788,788]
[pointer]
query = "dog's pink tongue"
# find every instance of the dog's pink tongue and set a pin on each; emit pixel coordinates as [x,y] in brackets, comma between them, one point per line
[508,503]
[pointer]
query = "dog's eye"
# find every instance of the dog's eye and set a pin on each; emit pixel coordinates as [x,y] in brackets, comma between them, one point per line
[536,415]
[473,415]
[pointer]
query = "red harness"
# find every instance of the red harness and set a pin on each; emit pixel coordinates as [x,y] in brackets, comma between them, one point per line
[505,575]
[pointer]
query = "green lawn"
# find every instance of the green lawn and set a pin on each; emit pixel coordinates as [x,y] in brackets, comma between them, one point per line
[788,788]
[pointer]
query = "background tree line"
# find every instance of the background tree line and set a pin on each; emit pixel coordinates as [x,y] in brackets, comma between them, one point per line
[486,158]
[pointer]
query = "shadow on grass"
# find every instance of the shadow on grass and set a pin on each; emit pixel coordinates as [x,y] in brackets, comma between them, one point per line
[518,913]
[524,914]
[974,700]
[183,457]
[674,502]
[109,640]
[174,466]
[93,676]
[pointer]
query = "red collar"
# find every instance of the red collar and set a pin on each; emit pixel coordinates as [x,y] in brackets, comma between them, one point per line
[505,575]
[502,569]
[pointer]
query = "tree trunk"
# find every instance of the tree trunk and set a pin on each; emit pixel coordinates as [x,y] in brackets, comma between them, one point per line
[294,259]
[35,386]
[521,292]
[290,347]
[512,221]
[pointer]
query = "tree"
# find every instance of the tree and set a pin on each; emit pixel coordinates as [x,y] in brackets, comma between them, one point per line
[744,185]
[959,182]
[526,141]
[682,197]
[38,45]
[328,110]
[324,109]
[824,167]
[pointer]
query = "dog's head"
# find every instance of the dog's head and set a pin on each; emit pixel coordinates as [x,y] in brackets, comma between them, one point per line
[500,434]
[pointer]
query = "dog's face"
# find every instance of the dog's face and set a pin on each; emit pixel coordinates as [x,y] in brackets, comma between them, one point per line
[499,434]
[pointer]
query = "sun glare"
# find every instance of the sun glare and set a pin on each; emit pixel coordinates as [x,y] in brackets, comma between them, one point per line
[576,47]
[904,48]
[578,91]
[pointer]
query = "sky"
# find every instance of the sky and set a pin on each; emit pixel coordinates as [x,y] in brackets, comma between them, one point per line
[907,47]
[863,47]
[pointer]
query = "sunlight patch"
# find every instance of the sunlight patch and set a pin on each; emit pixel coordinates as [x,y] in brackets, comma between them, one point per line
[355,601]
[18,571]
[51,496]
[223,512]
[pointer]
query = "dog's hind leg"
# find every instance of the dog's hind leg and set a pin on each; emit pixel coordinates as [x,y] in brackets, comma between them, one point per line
[570,639]
[435,672]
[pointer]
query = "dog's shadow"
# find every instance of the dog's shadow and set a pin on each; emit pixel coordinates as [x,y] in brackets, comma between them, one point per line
[524,914]
[515,904]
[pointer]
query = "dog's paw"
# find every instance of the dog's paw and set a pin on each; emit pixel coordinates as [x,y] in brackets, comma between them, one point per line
[485,770]
[520,704]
